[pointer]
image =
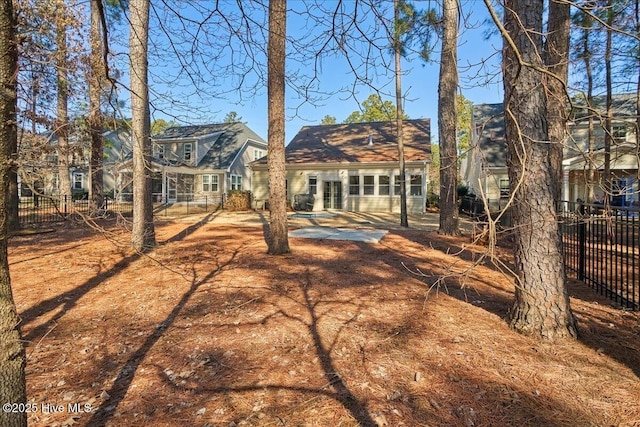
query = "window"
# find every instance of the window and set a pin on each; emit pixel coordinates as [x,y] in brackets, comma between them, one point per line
[313,185]
[188,148]
[619,133]
[383,185]
[257,154]
[77,181]
[396,185]
[504,187]
[416,185]
[236,182]
[368,183]
[209,183]
[354,185]
[160,151]
[55,183]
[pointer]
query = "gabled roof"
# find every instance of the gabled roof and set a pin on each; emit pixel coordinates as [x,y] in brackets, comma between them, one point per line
[230,138]
[359,143]
[488,120]
[623,104]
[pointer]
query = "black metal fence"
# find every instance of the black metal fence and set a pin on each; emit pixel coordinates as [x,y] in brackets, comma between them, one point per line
[601,248]
[48,209]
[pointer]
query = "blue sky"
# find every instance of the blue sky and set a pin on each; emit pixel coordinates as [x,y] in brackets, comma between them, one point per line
[183,102]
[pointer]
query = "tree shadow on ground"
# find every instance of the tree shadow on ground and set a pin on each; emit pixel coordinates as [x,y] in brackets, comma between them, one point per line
[67,300]
[617,339]
[123,381]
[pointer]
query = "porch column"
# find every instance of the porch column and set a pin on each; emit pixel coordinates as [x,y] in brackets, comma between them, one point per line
[565,186]
[165,195]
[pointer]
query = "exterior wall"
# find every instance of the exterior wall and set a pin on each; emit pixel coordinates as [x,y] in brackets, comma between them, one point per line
[578,142]
[199,191]
[298,183]
[175,151]
[239,167]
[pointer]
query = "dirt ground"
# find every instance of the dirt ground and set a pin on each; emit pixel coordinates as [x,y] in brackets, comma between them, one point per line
[208,330]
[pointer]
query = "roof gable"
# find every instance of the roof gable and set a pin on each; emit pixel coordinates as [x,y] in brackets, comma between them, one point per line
[218,144]
[359,143]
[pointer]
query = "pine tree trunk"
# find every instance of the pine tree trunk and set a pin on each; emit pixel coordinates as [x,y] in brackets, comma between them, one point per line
[96,73]
[447,120]
[557,59]
[278,238]
[404,219]
[62,121]
[12,354]
[143,235]
[541,306]
[608,125]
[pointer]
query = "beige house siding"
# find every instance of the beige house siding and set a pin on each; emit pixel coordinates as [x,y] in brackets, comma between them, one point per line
[298,183]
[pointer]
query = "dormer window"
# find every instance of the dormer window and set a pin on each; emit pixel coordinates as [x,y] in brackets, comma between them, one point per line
[188,148]
[160,151]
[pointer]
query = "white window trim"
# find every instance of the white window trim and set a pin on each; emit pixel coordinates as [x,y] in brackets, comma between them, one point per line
[237,182]
[184,151]
[76,181]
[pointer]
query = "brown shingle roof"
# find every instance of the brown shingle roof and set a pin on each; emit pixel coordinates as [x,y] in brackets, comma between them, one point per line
[350,143]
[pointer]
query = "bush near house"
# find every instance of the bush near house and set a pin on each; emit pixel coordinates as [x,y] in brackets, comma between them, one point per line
[238,200]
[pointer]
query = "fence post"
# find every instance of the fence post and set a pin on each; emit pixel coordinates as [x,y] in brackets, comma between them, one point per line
[582,241]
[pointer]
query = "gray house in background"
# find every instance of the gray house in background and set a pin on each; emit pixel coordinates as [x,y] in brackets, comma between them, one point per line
[198,162]
[485,168]
[41,173]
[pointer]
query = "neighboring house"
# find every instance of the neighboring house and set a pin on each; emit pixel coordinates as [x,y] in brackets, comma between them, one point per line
[484,170]
[624,150]
[354,167]
[39,162]
[198,162]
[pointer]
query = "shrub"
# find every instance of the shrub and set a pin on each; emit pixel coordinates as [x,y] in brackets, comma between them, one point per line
[238,200]
[433,200]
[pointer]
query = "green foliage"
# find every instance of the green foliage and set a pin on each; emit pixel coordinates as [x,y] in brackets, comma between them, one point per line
[463,191]
[159,125]
[433,200]
[374,109]
[328,120]
[415,28]
[465,109]
[232,117]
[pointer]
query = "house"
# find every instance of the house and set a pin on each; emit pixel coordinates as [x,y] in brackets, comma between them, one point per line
[198,162]
[484,170]
[353,167]
[579,157]
[39,162]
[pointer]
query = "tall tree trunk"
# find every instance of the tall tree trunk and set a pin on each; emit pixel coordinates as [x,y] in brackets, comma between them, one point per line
[62,119]
[608,127]
[96,71]
[557,60]
[397,50]
[586,24]
[637,124]
[541,307]
[143,236]
[447,120]
[278,236]
[12,354]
